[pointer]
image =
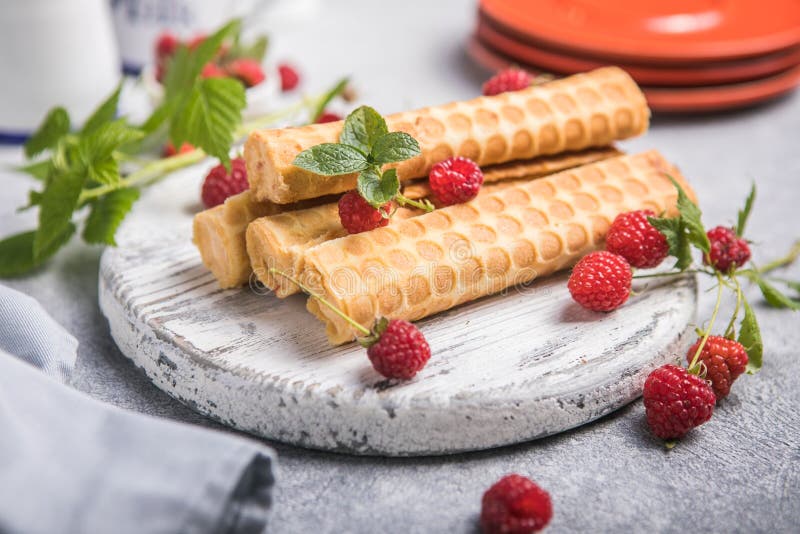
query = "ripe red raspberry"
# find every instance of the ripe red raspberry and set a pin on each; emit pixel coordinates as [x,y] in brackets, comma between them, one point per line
[455,180]
[328,116]
[357,215]
[169,149]
[166,45]
[220,185]
[727,249]
[507,80]
[633,237]
[515,505]
[289,77]
[247,70]
[725,359]
[676,401]
[212,70]
[601,281]
[400,351]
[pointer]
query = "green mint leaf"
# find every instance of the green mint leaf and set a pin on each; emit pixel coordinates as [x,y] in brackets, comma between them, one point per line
[104,113]
[750,338]
[16,251]
[378,190]
[106,215]
[362,128]
[54,127]
[774,297]
[210,117]
[332,93]
[744,213]
[58,201]
[674,231]
[394,146]
[97,150]
[331,159]
[690,215]
[39,169]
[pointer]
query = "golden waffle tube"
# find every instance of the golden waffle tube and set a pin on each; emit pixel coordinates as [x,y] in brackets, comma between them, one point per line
[574,113]
[460,253]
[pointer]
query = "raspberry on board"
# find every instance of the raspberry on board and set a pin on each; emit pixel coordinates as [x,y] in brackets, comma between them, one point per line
[633,237]
[455,180]
[601,281]
[725,360]
[515,505]
[400,350]
[507,80]
[357,215]
[728,251]
[676,401]
[219,184]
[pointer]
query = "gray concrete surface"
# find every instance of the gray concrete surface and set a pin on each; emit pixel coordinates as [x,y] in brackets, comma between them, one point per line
[738,473]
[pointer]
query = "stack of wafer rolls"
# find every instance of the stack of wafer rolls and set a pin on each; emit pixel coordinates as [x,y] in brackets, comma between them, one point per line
[586,110]
[439,260]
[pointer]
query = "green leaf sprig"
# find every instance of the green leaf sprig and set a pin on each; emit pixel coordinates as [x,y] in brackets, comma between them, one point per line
[365,146]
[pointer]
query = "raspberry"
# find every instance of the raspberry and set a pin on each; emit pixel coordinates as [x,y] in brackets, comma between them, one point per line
[220,185]
[357,215]
[247,70]
[515,505]
[601,281]
[328,116]
[676,401]
[166,45]
[507,80]
[633,237]
[289,77]
[400,351]
[169,149]
[455,180]
[212,70]
[728,251]
[725,359]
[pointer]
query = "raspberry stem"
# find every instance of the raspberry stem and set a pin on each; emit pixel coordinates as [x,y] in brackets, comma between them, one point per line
[720,285]
[730,331]
[423,205]
[676,273]
[324,301]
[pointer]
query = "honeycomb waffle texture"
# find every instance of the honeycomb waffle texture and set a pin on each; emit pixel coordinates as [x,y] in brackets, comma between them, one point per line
[577,112]
[460,253]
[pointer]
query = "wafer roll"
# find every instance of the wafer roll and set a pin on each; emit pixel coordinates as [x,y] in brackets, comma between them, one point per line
[581,111]
[280,241]
[460,253]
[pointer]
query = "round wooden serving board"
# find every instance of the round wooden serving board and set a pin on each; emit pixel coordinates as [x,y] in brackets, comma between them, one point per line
[505,369]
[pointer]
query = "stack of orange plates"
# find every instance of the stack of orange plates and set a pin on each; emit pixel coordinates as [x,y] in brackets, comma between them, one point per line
[688,55]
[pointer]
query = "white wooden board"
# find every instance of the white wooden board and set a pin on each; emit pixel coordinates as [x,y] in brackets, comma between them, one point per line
[505,369]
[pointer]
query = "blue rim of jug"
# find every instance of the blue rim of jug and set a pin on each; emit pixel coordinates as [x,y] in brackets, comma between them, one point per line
[13,138]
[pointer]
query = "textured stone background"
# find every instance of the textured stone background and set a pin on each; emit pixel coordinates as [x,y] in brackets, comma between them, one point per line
[740,472]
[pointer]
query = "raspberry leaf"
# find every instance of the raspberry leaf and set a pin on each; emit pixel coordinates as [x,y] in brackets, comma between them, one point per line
[744,213]
[104,113]
[256,49]
[750,338]
[98,146]
[59,200]
[53,128]
[39,169]
[16,251]
[378,189]
[690,215]
[362,128]
[774,297]
[394,146]
[674,230]
[331,159]
[106,215]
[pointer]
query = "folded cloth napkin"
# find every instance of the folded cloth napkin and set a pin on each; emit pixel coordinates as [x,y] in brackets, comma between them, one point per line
[71,464]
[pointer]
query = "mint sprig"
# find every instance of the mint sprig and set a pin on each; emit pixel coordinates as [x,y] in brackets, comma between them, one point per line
[365,146]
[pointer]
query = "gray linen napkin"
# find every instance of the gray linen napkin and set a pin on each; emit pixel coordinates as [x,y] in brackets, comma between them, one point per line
[71,464]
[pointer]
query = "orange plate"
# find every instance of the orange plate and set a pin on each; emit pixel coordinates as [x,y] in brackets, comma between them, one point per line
[676,99]
[709,74]
[653,30]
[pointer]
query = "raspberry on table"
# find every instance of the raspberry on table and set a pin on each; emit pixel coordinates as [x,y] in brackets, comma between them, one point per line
[455,180]
[219,184]
[249,71]
[328,116]
[728,251]
[676,401]
[357,215]
[400,351]
[601,281]
[633,237]
[507,80]
[515,505]
[289,77]
[725,360]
